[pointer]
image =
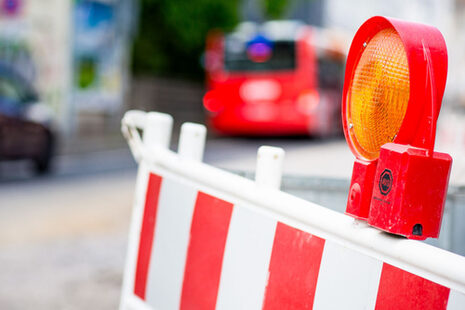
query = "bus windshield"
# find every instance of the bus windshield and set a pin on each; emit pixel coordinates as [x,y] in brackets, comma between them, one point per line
[237,58]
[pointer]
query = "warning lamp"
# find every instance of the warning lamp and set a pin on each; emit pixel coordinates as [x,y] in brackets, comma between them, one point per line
[394,82]
[259,49]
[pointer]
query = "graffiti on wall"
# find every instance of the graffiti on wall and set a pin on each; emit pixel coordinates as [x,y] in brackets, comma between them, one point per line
[100,54]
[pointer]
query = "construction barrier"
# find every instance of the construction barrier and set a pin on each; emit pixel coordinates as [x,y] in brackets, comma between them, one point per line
[203,238]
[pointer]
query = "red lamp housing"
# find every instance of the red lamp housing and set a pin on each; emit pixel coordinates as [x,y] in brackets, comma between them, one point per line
[394,83]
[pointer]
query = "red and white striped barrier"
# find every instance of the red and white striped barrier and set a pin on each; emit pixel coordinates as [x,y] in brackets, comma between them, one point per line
[202,238]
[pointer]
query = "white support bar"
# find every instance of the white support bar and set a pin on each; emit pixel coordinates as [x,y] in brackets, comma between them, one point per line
[135,118]
[131,122]
[192,141]
[158,127]
[269,167]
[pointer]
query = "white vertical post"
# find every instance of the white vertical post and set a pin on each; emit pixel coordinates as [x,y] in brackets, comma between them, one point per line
[157,131]
[269,167]
[192,141]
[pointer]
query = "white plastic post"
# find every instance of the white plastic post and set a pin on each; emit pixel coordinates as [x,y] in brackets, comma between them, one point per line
[157,131]
[192,141]
[269,167]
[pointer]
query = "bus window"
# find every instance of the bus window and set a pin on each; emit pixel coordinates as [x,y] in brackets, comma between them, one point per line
[237,59]
[330,73]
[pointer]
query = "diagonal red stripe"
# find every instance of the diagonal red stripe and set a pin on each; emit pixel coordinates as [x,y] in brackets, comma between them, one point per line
[294,267]
[209,230]
[399,289]
[146,234]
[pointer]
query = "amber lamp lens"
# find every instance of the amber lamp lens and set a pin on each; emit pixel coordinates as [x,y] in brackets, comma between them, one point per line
[379,93]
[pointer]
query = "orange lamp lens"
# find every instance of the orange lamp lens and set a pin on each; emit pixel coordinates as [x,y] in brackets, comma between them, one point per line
[379,94]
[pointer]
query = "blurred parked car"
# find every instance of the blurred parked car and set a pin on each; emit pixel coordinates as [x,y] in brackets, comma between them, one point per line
[25,122]
[278,78]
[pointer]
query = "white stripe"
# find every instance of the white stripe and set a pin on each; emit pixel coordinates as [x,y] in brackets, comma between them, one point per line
[169,250]
[456,301]
[134,232]
[347,279]
[246,260]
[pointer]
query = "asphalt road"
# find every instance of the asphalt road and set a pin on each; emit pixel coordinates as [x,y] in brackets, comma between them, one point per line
[63,239]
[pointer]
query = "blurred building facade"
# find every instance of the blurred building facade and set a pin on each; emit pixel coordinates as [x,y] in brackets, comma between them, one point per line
[75,52]
[308,11]
[35,41]
[102,32]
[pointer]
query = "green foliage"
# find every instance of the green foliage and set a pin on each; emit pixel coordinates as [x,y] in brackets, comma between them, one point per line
[274,9]
[86,73]
[172,34]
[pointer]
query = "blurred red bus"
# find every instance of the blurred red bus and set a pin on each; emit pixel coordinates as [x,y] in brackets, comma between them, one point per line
[278,78]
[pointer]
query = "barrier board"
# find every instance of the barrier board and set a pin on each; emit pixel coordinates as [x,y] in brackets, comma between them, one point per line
[202,238]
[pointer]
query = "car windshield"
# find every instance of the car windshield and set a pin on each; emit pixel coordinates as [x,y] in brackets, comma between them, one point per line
[330,72]
[280,55]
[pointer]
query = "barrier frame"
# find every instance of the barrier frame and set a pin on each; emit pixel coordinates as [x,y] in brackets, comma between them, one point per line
[152,154]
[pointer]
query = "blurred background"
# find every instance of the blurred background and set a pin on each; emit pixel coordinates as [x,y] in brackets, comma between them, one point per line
[69,69]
